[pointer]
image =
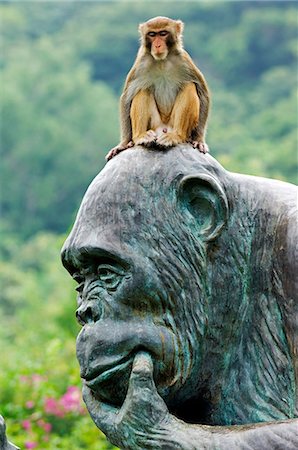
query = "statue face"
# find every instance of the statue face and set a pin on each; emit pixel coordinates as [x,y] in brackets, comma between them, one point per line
[121,311]
[126,293]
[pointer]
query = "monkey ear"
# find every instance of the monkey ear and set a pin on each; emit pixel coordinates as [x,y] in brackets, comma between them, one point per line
[179,26]
[205,203]
[141,28]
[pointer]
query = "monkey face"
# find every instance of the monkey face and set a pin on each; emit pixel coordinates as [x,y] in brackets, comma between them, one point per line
[157,41]
[160,35]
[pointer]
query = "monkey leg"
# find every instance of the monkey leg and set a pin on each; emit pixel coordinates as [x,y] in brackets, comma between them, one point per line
[184,117]
[144,114]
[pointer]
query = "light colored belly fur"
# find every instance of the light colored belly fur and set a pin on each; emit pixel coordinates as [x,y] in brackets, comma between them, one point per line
[163,80]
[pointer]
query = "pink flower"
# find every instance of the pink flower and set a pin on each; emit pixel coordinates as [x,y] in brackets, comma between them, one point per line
[47,427]
[30,444]
[44,425]
[37,379]
[71,400]
[24,379]
[26,424]
[30,404]
[52,406]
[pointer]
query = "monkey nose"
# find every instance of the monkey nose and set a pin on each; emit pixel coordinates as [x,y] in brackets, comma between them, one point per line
[88,313]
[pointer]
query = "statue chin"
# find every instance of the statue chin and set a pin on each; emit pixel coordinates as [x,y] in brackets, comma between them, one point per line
[111,388]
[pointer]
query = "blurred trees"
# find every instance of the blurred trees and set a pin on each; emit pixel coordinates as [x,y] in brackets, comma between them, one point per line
[39,376]
[63,66]
[56,128]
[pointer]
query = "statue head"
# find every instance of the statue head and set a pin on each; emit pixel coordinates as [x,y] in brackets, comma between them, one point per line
[157,252]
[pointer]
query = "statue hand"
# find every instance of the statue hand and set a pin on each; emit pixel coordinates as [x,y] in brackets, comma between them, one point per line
[143,421]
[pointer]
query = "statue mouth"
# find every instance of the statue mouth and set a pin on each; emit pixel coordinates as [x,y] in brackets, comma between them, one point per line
[102,374]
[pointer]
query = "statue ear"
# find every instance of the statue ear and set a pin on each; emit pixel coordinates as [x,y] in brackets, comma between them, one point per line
[205,202]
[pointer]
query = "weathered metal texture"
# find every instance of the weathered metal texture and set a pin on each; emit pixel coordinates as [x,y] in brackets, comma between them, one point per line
[4,443]
[187,287]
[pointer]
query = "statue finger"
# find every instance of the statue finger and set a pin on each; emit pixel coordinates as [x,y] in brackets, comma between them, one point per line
[102,414]
[142,389]
[143,405]
[142,372]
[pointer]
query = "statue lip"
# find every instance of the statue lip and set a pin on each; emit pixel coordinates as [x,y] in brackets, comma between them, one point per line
[101,374]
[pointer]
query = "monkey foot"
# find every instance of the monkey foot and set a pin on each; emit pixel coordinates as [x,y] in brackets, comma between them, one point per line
[147,139]
[118,149]
[168,140]
[201,146]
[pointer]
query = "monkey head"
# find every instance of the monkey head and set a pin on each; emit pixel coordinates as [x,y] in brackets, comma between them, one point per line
[160,35]
[169,261]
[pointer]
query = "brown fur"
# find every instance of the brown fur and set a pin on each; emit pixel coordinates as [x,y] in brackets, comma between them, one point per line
[165,100]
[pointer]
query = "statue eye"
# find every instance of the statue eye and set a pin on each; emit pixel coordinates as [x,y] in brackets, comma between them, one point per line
[110,276]
[80,280]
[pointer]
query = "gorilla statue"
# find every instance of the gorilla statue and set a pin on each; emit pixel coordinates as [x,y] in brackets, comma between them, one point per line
[186,296]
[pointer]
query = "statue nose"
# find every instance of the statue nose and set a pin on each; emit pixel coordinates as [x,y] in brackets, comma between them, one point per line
[88,313]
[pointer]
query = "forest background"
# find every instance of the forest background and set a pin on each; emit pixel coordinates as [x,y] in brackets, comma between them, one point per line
[63,65]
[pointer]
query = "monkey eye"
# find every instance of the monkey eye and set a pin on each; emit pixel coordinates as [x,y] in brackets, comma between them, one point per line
[151,34]
[163,33]
[110,276]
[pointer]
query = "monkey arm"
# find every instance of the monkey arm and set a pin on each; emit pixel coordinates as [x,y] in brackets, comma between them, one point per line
[125,122]
[125,104]
[197,77]
[144,422]
[126,131]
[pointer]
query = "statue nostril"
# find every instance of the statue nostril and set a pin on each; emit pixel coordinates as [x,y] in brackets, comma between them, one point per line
[79,317]
[87,314]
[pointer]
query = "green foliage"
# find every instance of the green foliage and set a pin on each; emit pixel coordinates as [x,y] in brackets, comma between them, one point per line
[39,375]
[56,128]
[62,68]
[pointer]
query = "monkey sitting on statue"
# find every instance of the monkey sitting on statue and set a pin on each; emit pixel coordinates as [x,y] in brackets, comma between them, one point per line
[165,101]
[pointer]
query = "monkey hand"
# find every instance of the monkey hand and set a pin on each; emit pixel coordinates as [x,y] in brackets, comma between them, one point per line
[143,421]
[201,146]
[119,148]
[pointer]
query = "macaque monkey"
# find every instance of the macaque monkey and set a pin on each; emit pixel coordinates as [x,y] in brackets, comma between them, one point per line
[165,100]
